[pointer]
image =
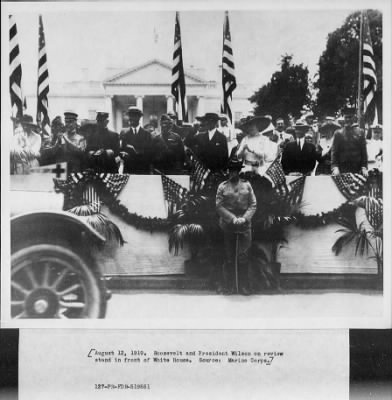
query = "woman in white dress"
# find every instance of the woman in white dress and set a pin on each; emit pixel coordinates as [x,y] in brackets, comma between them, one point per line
[256,150]
[26,146]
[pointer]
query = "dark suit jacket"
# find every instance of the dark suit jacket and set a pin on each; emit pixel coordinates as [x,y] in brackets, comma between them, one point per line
[105,139]
[296,160]
[212,153]
[141,161]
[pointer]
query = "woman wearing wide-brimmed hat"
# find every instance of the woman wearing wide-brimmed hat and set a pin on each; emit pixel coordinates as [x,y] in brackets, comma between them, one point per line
[256,150]
[326,130]
[25,146]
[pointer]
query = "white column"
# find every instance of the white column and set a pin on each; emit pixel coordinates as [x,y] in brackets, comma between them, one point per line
[139,102]
[109,109]
[200,106]
[170,104]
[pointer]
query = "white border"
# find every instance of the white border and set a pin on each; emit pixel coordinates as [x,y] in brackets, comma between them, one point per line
[213,321]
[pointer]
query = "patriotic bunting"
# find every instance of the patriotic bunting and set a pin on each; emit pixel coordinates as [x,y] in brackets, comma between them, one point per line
[350,185]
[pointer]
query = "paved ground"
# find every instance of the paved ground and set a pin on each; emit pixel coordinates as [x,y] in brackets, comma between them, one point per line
[291,306]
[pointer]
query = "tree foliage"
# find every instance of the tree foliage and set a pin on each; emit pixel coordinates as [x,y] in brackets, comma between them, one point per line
[287,92]
[339,64]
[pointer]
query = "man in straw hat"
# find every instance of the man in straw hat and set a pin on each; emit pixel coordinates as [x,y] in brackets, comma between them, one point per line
[136,147]
[210,146]
[348,152]
[235,205]
[300,156]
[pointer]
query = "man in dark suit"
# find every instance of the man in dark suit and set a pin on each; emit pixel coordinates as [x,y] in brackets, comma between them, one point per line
[103,146]
[136,147]
[300,156]
[348,150]
[210,146]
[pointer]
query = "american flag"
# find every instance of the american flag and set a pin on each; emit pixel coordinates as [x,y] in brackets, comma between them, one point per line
[174,193]
[15,71]
[43,83]
[199,175]
[350,185]
[178,76]
[374,211]
[276,176]
[296,190]
[369,79]
[228,78]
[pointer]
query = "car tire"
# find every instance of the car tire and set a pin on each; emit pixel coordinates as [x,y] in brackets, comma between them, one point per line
[53,281]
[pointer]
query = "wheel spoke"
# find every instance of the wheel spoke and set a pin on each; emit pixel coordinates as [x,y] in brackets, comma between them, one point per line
[45,277]
[17,303]
[20,288]
[62,316]
[29,272]
[21,315]
[73,304]
[59,278]
[69,289]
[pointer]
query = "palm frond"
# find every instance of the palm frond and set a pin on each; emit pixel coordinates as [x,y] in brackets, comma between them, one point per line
[98,221]
[180,233]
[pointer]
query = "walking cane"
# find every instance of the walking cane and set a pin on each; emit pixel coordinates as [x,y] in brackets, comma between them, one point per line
[236,262]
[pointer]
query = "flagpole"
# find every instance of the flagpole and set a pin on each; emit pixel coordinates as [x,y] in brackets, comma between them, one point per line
[360,73]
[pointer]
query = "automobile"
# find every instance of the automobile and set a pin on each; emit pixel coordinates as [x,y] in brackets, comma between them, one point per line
[56,270]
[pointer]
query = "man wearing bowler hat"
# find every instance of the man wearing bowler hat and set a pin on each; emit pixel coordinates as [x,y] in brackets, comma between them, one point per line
[235,205]
[136,145]
[348,151]
[210,146]
[300,155]
[103,146]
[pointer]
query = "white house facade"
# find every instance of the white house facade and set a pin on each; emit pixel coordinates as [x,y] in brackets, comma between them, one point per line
[147,86]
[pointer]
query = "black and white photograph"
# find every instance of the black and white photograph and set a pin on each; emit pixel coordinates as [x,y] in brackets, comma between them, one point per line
[185,166]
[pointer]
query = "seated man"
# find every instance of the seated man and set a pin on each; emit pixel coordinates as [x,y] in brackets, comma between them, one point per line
[136,145]
[300,156]
[169,155]
[103,146]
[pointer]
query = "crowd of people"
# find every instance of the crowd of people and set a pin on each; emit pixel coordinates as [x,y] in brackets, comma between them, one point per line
[304,147]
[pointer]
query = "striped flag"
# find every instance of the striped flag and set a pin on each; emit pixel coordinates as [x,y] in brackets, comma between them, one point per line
[15,71]
[178,76]
[43,83]
[369,79]
[276,176]
[228,78]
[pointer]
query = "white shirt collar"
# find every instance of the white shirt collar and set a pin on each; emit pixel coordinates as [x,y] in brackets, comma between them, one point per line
[211,133]
[301,142]
[135,129]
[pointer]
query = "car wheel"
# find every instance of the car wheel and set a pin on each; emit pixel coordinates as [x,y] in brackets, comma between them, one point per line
[51,281]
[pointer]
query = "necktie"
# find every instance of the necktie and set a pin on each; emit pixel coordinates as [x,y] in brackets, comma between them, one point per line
[299,144]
